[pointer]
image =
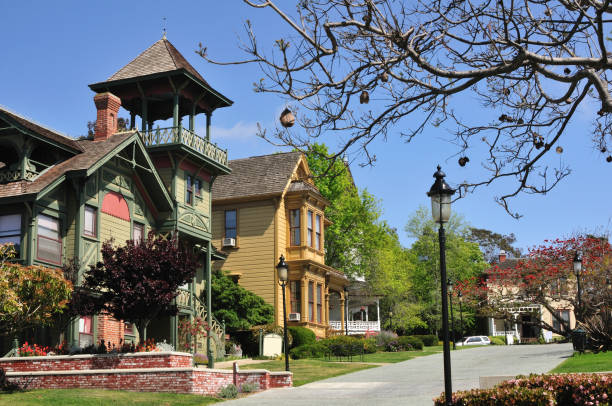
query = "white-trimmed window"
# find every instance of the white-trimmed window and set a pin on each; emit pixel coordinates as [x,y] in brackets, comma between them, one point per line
[310,220]
[318,232]
[89,225]
[10,230]
[49,247]
[138,233]
[85,331]
[230,224]
[294,227]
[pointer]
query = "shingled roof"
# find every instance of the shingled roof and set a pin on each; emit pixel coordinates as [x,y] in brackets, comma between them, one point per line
[93,152]
[160,57]
[258,176]
[40,130]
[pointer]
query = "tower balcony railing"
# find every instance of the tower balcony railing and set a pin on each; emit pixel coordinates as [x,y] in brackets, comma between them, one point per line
[181,135]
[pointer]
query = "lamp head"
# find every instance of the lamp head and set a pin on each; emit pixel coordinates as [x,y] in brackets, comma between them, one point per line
[283,269]
[577,263]
[440,194]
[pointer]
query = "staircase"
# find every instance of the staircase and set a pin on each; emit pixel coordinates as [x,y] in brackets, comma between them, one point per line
[184,300]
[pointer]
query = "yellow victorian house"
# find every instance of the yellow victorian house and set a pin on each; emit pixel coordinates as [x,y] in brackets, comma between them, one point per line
[267,207]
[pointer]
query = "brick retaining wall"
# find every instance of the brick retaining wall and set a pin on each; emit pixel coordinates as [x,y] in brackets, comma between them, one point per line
[176,380]
[98,361]
[141,372]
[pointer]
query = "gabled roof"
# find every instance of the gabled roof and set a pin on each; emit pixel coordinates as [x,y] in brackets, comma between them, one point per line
[95,153]
[39,129]
[258,176]
[160,57]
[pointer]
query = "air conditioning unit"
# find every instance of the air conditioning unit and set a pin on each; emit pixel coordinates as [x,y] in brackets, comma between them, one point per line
[294,317]
[229,242]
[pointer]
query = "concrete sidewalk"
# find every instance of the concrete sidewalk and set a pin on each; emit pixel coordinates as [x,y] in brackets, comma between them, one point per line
[416,381]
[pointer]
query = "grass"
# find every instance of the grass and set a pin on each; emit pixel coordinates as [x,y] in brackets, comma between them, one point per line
[100,397]
[310,370]
[601,362]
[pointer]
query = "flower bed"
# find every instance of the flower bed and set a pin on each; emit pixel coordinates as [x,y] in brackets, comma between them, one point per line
[561,389]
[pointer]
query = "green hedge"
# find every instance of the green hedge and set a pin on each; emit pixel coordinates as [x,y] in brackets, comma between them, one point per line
[314,350]
[301,336]
[343,346]
[563,389]
[408,343]
[429,340]
[498,340]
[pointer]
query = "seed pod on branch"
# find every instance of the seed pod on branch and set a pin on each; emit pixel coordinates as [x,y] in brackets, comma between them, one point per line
[364,98]
[287,118]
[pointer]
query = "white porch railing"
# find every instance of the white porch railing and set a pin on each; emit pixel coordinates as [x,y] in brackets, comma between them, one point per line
[357,326]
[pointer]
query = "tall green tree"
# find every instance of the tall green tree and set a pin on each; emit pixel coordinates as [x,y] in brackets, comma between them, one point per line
[352,238]
[464,259]
[241,309]
[491,243]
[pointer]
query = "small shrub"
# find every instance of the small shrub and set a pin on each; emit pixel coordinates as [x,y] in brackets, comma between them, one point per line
[369,345]
[429,340]
[410,343]
[228,392]
[498,340]
[314,350]
[392,346]
[5,385]
[249,387]
[497,397]
[301,336]
[385,338]
[563,389]
[164,347]
[200,359]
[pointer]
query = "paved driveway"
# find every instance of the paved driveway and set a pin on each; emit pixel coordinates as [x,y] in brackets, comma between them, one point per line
[417,381]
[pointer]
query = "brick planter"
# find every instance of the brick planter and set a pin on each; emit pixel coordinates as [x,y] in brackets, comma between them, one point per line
[97,361]
[141,372]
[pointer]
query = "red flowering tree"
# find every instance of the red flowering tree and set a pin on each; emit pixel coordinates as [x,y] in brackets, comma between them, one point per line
[546,277]
[137,282]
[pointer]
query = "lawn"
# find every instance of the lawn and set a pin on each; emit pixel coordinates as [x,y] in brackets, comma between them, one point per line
[588,362]
[310,370]
[100,397]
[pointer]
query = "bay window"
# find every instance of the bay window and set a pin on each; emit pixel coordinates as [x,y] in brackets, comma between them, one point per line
[318,232]
[319,303]
[311,301]
[296,296]
[310,228]
[294,226]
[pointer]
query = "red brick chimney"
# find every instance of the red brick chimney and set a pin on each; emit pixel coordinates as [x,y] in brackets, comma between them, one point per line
[502,256]
[106,122]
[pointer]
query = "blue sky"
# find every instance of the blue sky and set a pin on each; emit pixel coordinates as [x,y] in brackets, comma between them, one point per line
[53,50]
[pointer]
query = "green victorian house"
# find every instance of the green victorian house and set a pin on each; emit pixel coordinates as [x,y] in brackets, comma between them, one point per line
[61,198]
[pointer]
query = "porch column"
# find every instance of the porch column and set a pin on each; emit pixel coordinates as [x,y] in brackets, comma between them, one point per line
[175,110]
[342,313]
[208,117]
[326,307]
[132,120]
[144,115]
[378,313]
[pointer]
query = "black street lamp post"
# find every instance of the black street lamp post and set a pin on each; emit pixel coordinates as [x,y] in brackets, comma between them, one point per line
[391,320]
[346,311]
[440,194]
[283,274]
[450,293]
[460,296]
[577,270]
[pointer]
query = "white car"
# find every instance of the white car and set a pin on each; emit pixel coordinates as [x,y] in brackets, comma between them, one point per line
[474,340]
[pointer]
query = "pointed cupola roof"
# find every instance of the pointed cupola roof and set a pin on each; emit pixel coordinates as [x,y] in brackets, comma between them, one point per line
[155,76]
[160,57]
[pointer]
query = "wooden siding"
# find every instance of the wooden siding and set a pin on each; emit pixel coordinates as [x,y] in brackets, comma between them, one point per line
[114,228]
[254,257]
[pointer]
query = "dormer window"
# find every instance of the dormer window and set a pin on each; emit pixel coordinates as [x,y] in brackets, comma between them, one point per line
[294,226]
